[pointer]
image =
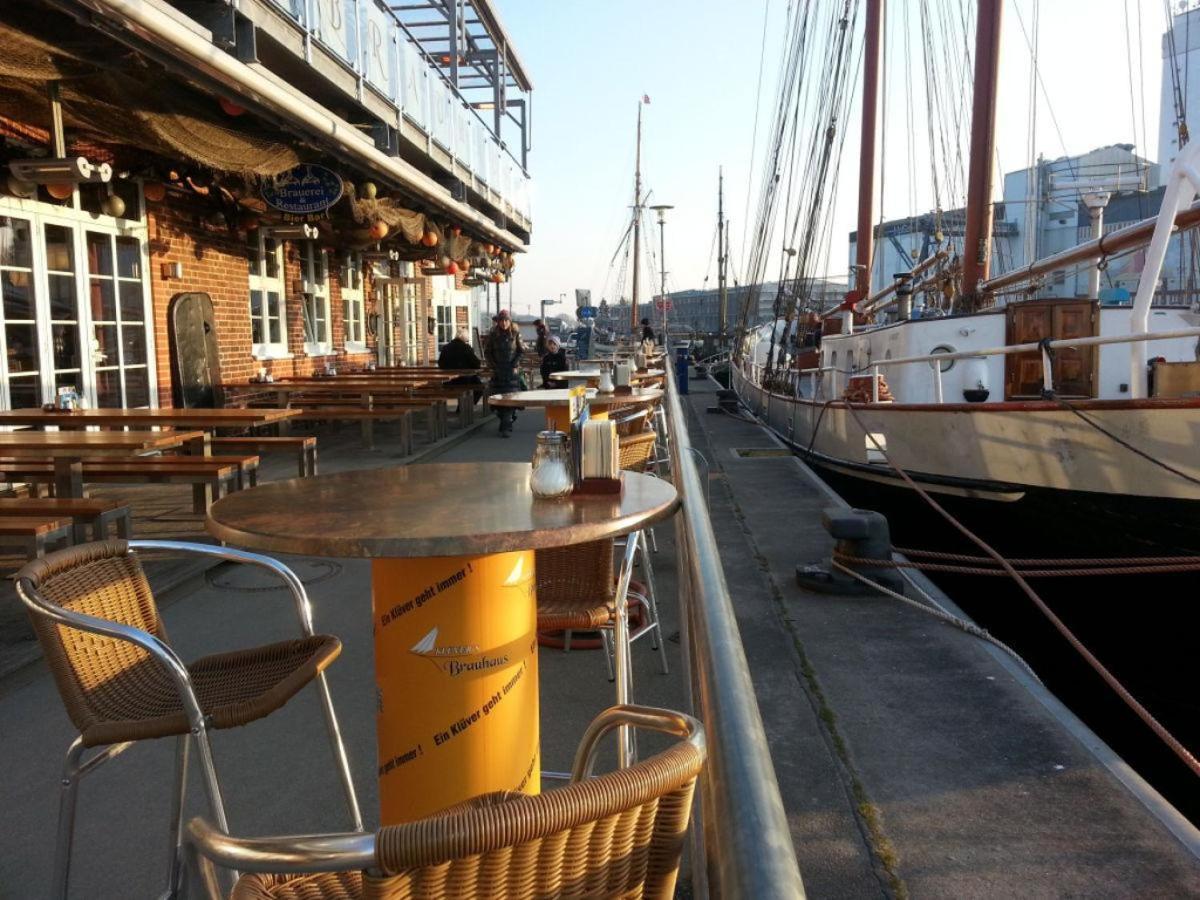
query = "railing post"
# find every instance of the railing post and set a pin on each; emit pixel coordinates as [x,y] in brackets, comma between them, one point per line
[874,384]
[1047,370]
[937,381]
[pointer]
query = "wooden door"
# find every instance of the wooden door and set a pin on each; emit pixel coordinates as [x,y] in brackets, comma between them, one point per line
[195,364]
[1074,368]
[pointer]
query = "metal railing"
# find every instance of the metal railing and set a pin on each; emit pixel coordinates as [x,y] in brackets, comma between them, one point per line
[935,360]
[742,846]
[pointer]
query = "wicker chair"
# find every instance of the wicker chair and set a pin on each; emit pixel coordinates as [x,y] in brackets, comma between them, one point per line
[121,682]
[619,834]
[576,592]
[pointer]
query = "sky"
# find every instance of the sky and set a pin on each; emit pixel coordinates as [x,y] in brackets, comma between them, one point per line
[699,62]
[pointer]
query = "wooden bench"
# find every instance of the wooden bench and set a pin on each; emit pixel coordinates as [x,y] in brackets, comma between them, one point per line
[247,466]
[206,471]
[305,448]
[366,418]
[32,533]
[434,409]
[99,514]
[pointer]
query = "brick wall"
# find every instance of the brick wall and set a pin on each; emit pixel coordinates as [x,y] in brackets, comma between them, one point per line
[214,262]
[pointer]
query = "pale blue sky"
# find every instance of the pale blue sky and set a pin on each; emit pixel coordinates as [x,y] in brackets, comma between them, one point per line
[699,62]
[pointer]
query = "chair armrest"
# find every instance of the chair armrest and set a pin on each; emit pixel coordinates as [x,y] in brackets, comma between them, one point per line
[285,854]
[648,718]
[289,578]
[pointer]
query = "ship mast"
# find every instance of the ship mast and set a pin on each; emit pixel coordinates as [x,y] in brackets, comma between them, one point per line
[722,248]
[977,244]
[865,238]
[637,222]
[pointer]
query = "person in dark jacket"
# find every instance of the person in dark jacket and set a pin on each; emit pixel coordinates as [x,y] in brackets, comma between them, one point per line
[555,360]
[647,331]
[542,333]
[503,351]
[458,354]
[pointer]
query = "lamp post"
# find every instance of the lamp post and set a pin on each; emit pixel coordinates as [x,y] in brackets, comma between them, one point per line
[661,209]
[546,303]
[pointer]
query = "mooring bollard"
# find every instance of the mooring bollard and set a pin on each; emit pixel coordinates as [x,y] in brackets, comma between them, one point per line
[862,534]
[681,369]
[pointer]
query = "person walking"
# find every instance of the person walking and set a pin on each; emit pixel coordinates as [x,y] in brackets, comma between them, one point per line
[542,333]
[503,353]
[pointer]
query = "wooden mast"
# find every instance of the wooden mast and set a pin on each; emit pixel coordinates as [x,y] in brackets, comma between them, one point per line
[977,244]
[865,238]
[637,225]
[722,251]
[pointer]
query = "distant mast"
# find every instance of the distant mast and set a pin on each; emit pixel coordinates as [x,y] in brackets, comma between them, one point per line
[864,246]
[637,219]
[977,242]
[722,252]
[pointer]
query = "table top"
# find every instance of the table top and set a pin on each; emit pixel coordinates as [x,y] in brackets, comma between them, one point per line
[433,509]
[579,373]
[561,397]
[194,418]
[50,443]
[544,397]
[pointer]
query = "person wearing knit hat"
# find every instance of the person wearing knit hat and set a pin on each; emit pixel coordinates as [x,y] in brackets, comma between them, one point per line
[503,351]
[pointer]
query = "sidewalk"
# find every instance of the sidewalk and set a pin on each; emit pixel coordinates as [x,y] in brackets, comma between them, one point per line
[277,773]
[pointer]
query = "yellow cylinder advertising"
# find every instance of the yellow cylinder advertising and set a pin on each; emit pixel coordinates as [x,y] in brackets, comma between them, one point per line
[457,680]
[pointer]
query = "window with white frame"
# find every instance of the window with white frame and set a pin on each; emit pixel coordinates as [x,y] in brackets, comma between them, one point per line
[74,311]
[314,276]
[445,324]
[354,305]
[410,324]
[268,319]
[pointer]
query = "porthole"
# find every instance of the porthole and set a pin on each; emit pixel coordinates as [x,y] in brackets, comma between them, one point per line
[948,364]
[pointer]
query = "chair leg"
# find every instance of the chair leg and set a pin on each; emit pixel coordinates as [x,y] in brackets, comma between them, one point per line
[175,881]
[212,787]
[73,772]
[66,818]
[606,640]
[339,752]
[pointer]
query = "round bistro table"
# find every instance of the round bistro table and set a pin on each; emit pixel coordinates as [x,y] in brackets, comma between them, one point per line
[454,605]
[556,402]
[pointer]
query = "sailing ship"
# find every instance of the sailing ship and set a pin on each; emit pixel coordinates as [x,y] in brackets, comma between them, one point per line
[1049,425]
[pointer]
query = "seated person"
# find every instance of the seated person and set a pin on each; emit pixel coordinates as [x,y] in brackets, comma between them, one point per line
[555,360]
[457,354]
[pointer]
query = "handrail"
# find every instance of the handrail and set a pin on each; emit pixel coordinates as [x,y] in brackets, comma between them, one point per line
[1092,341]
[743,838]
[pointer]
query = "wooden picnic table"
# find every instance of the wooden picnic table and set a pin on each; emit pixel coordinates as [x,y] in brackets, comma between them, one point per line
[207,419]
[556,402]
[69,448]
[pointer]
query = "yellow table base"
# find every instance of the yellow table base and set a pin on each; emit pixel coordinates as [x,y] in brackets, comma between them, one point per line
[558,418]
[457,680]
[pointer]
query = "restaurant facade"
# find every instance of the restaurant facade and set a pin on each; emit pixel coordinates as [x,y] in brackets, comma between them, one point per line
[188,200]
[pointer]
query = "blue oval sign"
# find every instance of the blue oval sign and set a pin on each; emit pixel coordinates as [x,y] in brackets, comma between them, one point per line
[308,188]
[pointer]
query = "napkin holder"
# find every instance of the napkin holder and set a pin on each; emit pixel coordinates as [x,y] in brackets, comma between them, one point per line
[598,486]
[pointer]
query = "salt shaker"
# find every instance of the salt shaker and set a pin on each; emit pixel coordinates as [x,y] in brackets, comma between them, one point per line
[551,475]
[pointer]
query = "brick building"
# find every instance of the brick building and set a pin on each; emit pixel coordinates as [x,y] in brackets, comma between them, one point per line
[185,162]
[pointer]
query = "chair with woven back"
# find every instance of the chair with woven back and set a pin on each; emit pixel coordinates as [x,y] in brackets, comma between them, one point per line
[619,834]
[121,682]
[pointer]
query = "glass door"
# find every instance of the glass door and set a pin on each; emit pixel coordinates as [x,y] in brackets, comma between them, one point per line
[22,370]
[62,290]
[118,314]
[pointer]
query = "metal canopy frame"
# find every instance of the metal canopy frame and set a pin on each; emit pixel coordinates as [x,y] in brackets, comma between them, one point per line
[466,41]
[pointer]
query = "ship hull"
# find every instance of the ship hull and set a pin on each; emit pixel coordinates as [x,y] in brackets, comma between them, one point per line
[1034,478]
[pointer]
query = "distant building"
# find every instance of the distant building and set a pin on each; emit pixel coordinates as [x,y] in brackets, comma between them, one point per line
[699,310]
[1180,69]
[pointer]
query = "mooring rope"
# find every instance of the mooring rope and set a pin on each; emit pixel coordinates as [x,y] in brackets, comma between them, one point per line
[1090,658]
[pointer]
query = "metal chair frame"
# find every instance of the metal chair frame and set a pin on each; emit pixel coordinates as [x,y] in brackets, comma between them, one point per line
[74,767]
[208,846]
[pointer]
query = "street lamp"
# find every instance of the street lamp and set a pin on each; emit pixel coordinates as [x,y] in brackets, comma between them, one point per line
[546,303]
[661,209]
